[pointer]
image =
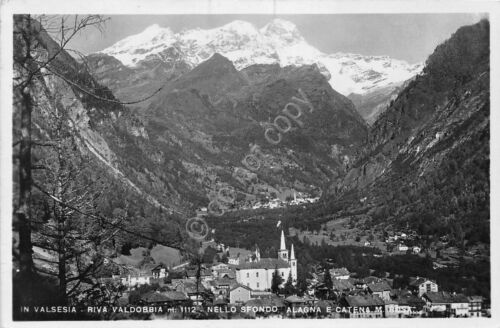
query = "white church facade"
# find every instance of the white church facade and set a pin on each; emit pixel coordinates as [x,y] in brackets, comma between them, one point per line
[258,274]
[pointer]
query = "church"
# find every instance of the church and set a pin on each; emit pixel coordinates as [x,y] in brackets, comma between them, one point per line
[258,274]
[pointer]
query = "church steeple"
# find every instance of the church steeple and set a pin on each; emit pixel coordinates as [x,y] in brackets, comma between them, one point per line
[293,265]
[283,252]
[283,246]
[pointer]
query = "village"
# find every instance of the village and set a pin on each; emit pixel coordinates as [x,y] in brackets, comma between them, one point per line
[242,284]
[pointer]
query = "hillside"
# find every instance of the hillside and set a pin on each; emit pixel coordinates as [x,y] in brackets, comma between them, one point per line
[186,142]
[209,119]
[427,160]
[93,116]
[425,166]
[423,163]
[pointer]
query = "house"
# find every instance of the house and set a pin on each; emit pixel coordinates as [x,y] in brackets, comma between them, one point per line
[363,283]
[459,305]
[176,298]
[147,274]
[234,260]
[262,304]
[154,298]
[402,248]
[380,289]
[219,266]
[340,286]
[205,274]
[159,272]
[297,301]
[196,292]
[416,249]
[229,274]
[167,298]
[391,239]
[239,294]
[221,287]
[409,305]
[392,310]
[361,306]
[339,273]
[260,294]
[222,270]
[135,279]
[420,285]
[237,255]
[475,306]
[201,212]
[220,247]
[446,304]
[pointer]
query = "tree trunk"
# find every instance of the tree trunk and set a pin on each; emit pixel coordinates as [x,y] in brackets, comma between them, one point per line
[60,211]
[23,213]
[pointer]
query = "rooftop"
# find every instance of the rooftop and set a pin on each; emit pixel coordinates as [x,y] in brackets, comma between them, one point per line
[379,286]
[271,301]
[339,272]
[241,286]
[416,281]
[364,300]
[264,263]
[444,297]
[409,299]
[175,296]
[154,297]
[342,285]
[475,298]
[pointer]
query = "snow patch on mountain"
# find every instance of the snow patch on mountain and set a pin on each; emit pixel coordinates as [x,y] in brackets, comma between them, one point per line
[277,42]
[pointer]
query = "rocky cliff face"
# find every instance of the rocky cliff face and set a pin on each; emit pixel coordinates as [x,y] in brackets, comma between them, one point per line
[372,104]
[188,140]
[101,128]
[428,153]
[208,121]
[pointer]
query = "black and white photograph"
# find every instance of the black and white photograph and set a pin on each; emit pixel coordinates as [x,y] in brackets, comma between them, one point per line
[237,163]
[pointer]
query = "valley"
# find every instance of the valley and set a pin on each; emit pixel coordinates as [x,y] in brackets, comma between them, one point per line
[173,159]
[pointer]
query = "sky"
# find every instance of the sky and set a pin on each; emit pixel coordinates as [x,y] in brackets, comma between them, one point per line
[410,37]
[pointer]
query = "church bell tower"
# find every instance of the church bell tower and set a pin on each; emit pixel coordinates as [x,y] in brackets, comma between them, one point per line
[293,265]
[283,252]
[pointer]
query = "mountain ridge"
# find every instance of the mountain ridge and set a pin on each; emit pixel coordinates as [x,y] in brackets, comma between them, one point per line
[426,163]
[277,42]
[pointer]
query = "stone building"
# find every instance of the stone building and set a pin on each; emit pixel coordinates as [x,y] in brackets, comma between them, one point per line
[257,274]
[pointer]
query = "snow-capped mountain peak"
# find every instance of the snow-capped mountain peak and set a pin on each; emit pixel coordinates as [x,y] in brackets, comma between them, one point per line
[282,29]
[279,41]
[241,27]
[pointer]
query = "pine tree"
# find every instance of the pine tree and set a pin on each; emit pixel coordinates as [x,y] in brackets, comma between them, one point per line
[276,281]
[289,287]
[29,62]
[301,285]
[32,58]
[67,194]
[327,280]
